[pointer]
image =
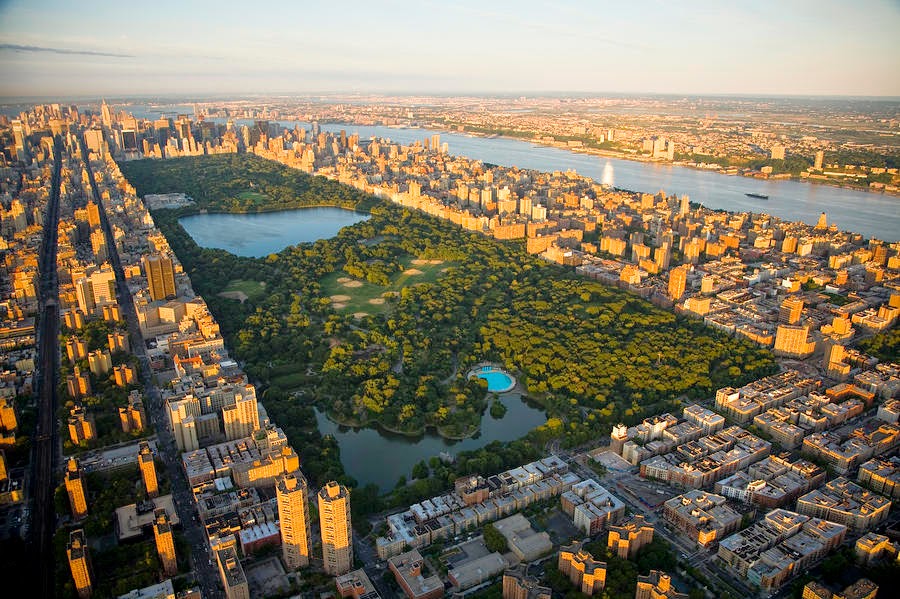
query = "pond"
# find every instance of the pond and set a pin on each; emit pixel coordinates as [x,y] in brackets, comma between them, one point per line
[259,234]
[374,456]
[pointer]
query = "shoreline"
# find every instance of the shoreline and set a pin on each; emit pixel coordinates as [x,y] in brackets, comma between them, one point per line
[625,156]
[378,425]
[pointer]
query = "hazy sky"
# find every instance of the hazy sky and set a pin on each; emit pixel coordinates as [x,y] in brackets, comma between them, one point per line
[59,48]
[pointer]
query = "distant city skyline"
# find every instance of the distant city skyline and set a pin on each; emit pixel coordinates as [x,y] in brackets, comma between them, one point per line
[55,48]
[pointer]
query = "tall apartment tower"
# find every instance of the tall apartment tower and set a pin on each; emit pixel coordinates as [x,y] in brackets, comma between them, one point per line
[165,543]
[160,276]
[241,419]
[820,159]
[791,310]
[677,282]
[822,223]
[148,470]
[293,513]
[337,534]
[75,489]
[79,563]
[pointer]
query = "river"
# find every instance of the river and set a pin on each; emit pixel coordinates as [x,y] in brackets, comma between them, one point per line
[871,214]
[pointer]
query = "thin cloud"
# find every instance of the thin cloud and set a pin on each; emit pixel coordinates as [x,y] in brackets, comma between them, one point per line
[21,48]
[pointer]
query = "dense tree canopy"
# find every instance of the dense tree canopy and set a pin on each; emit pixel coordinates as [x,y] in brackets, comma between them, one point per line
[589,354]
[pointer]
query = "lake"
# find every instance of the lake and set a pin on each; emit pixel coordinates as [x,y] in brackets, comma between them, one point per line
[373,456]
[259,234]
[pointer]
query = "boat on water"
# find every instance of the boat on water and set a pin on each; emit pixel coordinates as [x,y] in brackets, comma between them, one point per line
[758,196]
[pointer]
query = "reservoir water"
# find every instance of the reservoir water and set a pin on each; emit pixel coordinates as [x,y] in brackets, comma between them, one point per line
[260,234]
[374,456]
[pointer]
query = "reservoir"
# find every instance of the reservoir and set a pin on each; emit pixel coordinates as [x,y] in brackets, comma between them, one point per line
[373,456]
[259,234]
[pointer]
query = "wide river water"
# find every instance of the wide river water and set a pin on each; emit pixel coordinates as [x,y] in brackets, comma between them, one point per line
[872,214]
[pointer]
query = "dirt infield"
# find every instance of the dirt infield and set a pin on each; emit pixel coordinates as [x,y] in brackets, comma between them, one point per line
[235,295]
[340,298]
[376,301]
[351,284]
[413,271]
[338,306]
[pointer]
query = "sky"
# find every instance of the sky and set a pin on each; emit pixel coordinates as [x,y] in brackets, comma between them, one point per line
[61,48]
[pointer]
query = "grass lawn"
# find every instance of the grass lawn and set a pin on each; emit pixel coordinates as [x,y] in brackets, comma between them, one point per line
[253,196]
[236,288]
[350,296]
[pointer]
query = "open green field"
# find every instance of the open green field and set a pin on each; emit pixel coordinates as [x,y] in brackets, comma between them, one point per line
[241,290]
[254,196]
[350,296]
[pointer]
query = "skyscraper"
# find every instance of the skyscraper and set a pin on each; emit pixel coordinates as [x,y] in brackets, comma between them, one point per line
[337,534]
[75,489]
[160,276]
[791,310]
[79,563]
[293,513]
[820,159]
[148,470]
[165,543]
[677,282]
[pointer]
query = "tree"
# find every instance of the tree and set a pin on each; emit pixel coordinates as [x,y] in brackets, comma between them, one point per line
[493,539]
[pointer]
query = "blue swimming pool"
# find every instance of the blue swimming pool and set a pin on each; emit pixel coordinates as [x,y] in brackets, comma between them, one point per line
[497,381]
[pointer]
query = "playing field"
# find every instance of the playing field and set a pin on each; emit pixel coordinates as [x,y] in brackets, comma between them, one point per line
[351,296]
[242,290]
[253,196]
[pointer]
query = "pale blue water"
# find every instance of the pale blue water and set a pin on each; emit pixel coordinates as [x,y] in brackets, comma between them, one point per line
[496,380]
[260,234]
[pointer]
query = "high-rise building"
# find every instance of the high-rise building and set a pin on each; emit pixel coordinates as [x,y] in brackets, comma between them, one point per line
[337,534]
[93,214]
[585,573]
[516,585]
[75,489]
[79,563]
[822,223]
[677,282]
[293,513]
[165,542]
[627,538]
[160,275]
[233,578]
[657,585]
[105,114]
[820,159]
[183,415]
[791,310]
[148,469]
[241,419]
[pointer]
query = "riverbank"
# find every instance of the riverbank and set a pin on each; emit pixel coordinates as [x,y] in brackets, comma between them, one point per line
[622,155]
